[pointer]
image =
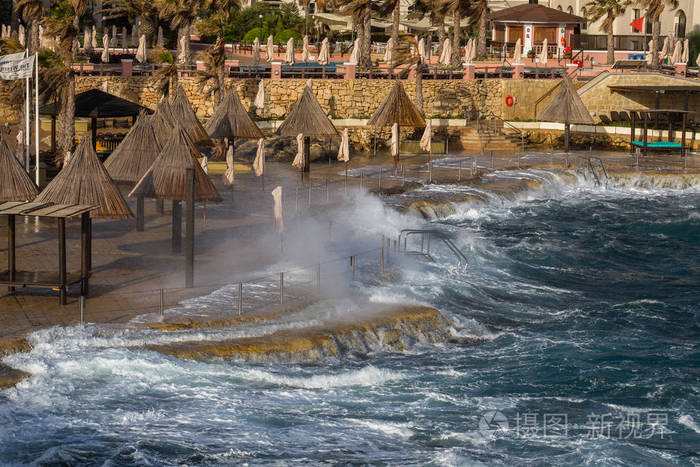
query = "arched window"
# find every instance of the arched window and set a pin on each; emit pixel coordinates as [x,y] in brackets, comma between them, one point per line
[559,7]
[570,10]
[680,24]
[583,15]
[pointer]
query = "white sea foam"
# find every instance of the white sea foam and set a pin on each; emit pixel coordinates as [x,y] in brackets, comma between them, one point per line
[687,421]
[401,430]
[364,377]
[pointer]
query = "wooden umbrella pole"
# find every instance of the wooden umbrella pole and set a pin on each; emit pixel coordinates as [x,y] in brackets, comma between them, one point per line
[262,180]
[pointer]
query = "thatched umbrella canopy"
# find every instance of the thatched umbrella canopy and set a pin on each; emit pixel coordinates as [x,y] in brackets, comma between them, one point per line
[135,154]
[397,109]
[231,120]
[307,118]
[15,184]
[163,121]
[566,107]
[182,112]
[167,177]
[84,180]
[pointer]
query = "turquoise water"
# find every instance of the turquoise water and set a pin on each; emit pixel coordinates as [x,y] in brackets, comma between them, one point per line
[581,345]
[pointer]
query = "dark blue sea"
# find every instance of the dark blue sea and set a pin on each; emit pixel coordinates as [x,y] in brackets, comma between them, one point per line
[576,342]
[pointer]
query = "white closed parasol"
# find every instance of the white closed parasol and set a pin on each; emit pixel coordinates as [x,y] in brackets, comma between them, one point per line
[259,101]
[141,53]
[270,50]
[324,56]
[277,209]
[93,38]
[395,141]
[256,51]
[160,42]
[229,175]
[305,54]
[259,162]
[87,40]
[388,53]
[543,55]
[298,161]
[105,49]
[446,55]
[289,55]
[518,52]
[355,54]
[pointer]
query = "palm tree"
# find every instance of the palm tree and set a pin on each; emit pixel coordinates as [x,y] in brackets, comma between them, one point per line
[181,14]
[166,74]
[433,9]
[31,12]
[211,79]
[477,15]
[609,10]
[654,9]
[132,9]
[406,55]
[393,8]
[63,22]
[14,89]
[361,12]
[458,8]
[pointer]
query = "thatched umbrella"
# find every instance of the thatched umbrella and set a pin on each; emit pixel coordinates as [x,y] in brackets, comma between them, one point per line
[231,121]
[15,184]
[135,154]
[307,118]
[163,121]
[566,107]
[184,114]
[84,180]
[397,108]
[167,177]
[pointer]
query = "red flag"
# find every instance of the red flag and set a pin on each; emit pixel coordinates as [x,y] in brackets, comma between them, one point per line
[638,23]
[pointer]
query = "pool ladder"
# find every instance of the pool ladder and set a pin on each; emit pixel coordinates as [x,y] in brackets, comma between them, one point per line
[425,236]
[591,167]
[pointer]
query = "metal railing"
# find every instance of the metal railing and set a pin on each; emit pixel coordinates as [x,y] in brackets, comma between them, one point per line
[425,244]
[589,163]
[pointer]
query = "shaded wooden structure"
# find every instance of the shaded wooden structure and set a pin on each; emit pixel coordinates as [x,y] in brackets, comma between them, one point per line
[567,108]
[84,180]
[60,280]
[15,184]
[95,104]
[307,118]
[182,112]
[398,109]
[167,178]
[646,116]
[133,157]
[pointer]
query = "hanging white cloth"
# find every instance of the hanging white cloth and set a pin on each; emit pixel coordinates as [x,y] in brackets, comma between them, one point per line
[277,210]
[289,55]
[270,49]
[344,149]
[256,51]
[518,52]
[141,53]
[426,141]
[229,175]
[395,139]
[298,161]
[324,56]
[259,162]
[355,55]
[259,101]
[105,50]
[305,54]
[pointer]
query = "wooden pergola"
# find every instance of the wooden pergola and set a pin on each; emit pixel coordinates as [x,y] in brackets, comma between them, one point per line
[60,280]
[644,143]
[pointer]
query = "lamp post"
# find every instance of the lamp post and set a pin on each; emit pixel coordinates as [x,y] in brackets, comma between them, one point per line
[261,25]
